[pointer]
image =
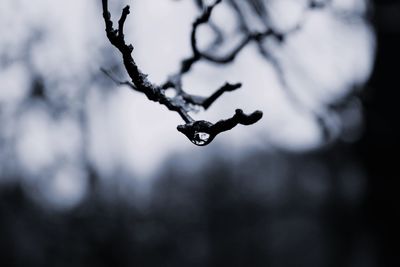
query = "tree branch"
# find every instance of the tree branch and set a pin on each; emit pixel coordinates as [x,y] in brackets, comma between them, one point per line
[199,132]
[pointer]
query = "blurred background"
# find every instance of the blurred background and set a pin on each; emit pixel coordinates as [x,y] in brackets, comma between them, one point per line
[94,174]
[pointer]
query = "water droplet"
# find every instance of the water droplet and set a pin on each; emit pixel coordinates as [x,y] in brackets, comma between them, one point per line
[171,93]
[200,138]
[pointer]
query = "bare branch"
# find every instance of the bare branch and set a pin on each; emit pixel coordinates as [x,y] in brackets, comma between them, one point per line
[206,102]
[199,132]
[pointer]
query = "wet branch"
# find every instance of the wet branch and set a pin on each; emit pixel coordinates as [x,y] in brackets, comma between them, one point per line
[199,132]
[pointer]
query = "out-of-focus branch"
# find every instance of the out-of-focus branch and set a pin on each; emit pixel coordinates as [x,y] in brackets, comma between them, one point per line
[199,132]
[320,117]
